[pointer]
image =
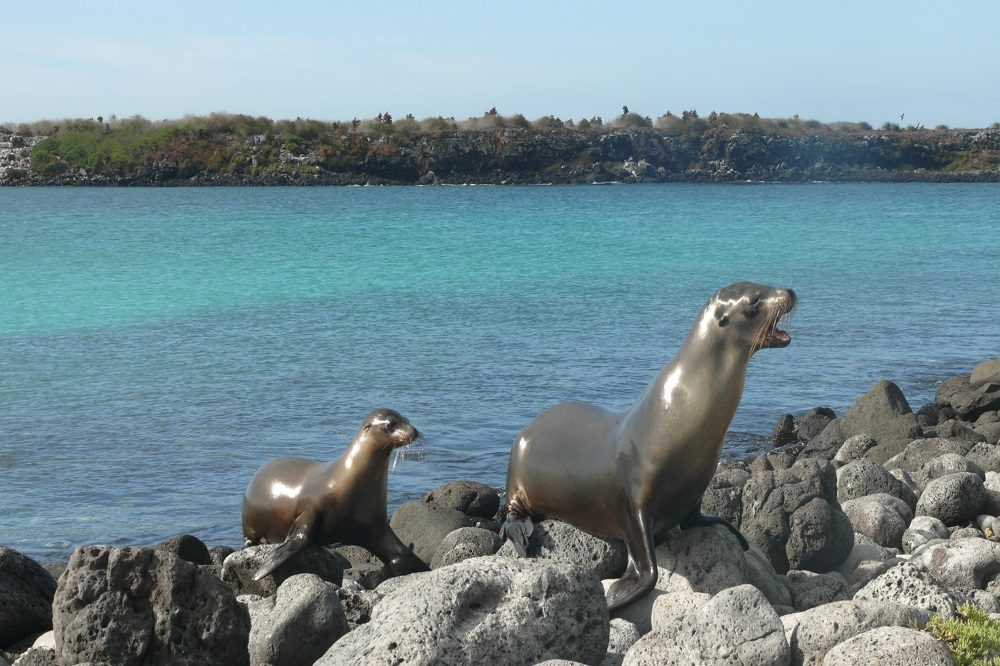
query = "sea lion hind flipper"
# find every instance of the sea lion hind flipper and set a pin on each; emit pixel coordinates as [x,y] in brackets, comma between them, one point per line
[697,519]
[517,530]
[282,554]
[641,574]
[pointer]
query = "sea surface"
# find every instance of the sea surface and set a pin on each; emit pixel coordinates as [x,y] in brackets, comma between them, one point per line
[158,345]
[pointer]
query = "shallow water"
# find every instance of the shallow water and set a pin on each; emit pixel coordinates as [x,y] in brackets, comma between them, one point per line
[160,344]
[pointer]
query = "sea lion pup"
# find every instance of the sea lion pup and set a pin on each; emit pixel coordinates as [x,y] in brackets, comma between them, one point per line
[636,474]
[296,502]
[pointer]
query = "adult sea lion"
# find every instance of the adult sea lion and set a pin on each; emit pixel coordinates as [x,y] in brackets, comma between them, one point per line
[637,473]
[296,502]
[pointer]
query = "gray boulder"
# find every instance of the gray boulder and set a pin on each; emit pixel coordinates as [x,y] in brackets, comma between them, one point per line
[187,547]
[423,526]
[866,477]
[239,568]
[991,431]
[826,444]
[962,563]
[992,487]
[623,636]
[985,456]
[943,465]
[954,429]
[640,611]
[138,605]
[487,610]
[793,516]
[37,656]
[812,589]
[881,517]
[556,540]
[884,414]
[920,451]
[987,372]
[969,401]
[357,604]
[922,530]
[889,646]
[812,633]
[854,448]
[470,497]
[965,533]
[465,543]
[710,559]
[954,498]
[218,554]
[669,609]
[912,585]
[738,626]
[296,625]
[361,566]
[811,424]
[26,591]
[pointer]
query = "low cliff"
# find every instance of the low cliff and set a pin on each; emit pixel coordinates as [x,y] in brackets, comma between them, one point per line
[92,154]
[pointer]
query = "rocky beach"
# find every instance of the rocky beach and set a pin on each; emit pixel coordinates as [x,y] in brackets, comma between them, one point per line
[864,528]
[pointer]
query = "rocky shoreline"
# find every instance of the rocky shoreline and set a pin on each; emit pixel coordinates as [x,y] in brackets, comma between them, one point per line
[504,156]
[862,528]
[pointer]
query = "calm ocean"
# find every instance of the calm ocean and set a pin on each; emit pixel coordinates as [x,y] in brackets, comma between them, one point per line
[158,345]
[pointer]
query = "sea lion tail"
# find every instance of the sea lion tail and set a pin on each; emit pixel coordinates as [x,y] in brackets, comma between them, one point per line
[517,529]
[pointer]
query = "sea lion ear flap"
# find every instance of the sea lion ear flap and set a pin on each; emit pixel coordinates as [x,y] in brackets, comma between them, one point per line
[721,316]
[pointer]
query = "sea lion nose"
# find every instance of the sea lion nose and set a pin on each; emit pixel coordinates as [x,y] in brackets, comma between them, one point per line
[791,296]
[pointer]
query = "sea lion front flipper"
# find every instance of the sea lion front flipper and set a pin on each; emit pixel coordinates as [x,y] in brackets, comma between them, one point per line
[518,529]
[297,539]
[641,574]
[697,519]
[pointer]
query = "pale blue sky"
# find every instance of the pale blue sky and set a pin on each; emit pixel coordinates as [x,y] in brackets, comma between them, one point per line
[936,62]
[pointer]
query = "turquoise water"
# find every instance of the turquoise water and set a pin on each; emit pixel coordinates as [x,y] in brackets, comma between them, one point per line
[159,344]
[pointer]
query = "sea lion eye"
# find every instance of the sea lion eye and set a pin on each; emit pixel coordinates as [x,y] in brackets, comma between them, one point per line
[368,426]
[724,320]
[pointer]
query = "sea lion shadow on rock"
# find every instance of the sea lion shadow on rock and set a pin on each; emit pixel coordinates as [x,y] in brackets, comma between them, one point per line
[296,502]
[638,473]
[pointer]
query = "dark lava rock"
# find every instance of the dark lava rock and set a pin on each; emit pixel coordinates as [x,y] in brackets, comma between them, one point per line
[813,422]
[470,497]
[826,444]
[218,554]
[423,526]
[866,477]
[794,518]
[239,568]
[724,495]
[26,591]
[784,431]
[967,400]
[141,606]
[186,547]
[884,414]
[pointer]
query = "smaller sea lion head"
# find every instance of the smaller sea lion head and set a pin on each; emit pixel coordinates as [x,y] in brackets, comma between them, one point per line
[386,429]
[747,314]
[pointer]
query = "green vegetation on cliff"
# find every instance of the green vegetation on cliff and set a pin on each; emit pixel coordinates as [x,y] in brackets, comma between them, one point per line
[492,148]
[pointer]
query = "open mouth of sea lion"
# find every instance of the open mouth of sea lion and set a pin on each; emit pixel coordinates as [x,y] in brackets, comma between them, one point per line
[773,337]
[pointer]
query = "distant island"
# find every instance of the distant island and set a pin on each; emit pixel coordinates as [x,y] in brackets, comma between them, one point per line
[231,149]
